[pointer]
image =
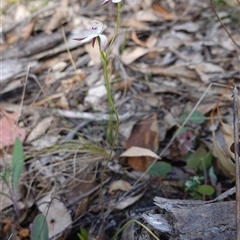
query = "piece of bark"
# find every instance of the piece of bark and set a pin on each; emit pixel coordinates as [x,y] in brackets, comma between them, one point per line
[186,220]
[34,45]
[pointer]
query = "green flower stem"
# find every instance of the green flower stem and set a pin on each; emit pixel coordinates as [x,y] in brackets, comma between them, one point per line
[119,7]
[113,110]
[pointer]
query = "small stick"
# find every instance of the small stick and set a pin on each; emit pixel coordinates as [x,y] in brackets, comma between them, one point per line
[237,164]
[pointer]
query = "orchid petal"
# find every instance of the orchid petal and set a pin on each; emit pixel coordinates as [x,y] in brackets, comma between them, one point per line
[93,42]
[97,26]
[79,39]
[105,2]
[103,40]
[89,38]
[116,1]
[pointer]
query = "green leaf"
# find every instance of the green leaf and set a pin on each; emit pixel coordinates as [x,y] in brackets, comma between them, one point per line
[182,130]
[199,160]
[196,158]
[207,161]
[17,162]
[212,176]
[39,228]
[196,118]
[160,169]
[7,175]
[206,189]
[83,234]
[182,118]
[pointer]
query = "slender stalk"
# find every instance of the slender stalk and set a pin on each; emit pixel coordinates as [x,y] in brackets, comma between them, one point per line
[104,56]
[119,7]
[137,222]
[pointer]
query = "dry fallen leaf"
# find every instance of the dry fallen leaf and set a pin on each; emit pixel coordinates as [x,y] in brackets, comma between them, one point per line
[163,13]
[147,15]
[145,134]
[23,233]
[40,129]
[25,31]
[135,38]
[222,144]
[119,185]
[134,24]
[57,215]
[139,158]
[60,17]
[224,162]
[9,130]
[129,201]
[143,140]
[173,71]
[188,26]
[139,152]
[132,54]
[95,94]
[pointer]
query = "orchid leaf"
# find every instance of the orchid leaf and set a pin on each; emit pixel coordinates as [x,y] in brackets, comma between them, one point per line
[17,162]
[39,228]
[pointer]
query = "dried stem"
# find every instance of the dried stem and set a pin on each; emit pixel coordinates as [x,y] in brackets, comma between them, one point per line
[220,20]
[237,164]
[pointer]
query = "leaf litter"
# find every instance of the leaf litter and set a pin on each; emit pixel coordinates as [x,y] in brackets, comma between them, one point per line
[166,54]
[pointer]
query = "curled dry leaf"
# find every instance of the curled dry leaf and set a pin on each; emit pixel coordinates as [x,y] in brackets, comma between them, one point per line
[139,158]
[149,43]
[135,38]
[119,185]
[224,161]
[139,152]
[228,135]
[221,150]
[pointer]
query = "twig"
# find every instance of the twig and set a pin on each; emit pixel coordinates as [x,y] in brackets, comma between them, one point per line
[88,115]
[220,20]
[237,164]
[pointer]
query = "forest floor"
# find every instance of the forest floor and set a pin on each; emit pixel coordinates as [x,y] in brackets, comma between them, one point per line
[171,69]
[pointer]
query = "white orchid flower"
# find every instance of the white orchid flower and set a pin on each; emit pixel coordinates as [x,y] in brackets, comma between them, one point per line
[114,1]
[97,29]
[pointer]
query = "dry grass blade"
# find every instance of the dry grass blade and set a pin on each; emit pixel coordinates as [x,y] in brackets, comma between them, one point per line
[220,20]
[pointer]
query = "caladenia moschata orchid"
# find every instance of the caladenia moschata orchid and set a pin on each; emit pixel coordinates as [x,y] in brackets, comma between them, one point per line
[96,33]
[114,1]
[97,29]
